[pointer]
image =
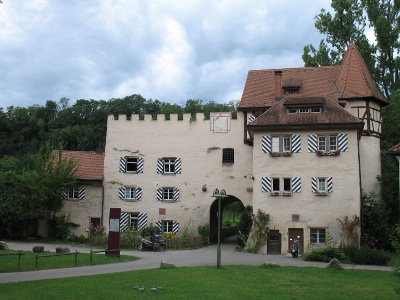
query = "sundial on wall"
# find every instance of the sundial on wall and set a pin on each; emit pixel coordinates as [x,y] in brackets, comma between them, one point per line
[220,122]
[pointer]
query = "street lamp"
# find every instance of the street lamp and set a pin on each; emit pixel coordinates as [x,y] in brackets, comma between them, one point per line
[219,194]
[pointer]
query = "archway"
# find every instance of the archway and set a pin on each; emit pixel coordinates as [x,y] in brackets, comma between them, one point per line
[214,218]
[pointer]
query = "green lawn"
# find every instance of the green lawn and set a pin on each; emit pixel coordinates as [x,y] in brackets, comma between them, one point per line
[229,282]
[9,263]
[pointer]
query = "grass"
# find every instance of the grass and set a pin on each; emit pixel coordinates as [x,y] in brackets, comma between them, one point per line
[9,263]
[228,282]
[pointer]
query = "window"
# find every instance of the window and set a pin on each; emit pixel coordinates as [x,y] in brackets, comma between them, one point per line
[73,193]
[228,155]
[287,184]
[169,165]
[321,185]
[315,110]
[131,164]
[317,236]
[133,220]
[275,185]
[167,226]
[327,143]
[281,143]
[168,194]
[304,110]
[130,193]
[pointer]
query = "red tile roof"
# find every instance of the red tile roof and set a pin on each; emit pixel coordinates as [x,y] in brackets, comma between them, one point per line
[395,148]
[349,81]
[90,165]
[332,114]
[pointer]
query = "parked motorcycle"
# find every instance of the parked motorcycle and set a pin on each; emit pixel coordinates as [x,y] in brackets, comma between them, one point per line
[295,248]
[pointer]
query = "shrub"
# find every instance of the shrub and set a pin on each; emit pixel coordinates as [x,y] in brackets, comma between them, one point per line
[130,238]
[204,231]
[76,239]
[324,255]
[150,230]
[245,225]
[366,256]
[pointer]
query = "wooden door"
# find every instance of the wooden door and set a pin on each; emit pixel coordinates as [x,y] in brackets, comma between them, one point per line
[296,234]
[274,242]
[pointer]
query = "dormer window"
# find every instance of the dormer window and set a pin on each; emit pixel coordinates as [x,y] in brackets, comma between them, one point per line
[304,110]
[291,86]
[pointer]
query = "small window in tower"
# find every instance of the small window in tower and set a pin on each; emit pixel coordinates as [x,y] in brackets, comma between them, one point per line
[228,155]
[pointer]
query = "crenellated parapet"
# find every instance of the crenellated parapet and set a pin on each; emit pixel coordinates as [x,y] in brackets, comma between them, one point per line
[164,117]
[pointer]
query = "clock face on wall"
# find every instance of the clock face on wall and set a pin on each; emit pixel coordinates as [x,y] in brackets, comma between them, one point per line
[220,122]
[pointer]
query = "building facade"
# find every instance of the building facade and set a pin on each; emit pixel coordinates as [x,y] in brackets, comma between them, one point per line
[304,147]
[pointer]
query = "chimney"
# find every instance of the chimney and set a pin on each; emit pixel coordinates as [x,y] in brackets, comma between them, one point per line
[278,85]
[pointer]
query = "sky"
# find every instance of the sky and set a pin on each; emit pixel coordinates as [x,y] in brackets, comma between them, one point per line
[169,50]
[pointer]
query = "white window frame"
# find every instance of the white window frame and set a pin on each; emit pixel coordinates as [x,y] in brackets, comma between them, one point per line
[285,180]
[322,185]
[275,184]
[130,193]
[133,220]
[168,194]
[322,143]
[304,110]
[169,165]
[278,141]
[333,146]
[317,236]
[73,193]
[167,225]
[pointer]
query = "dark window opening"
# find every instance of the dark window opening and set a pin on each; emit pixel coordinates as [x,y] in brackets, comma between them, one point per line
[228,155]
[131,164]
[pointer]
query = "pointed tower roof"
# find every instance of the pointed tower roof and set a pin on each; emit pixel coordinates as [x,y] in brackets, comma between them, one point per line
[354,80]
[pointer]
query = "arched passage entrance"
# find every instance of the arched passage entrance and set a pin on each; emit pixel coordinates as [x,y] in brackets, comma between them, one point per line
[214,217]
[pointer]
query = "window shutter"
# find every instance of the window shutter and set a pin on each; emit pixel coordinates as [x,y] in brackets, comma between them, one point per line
[138,194]
[142,221]
[329,184]
[312,143]
[64,194]
[266,184]
[250,119]
[178,166]
[123,221]
[175,227]
[140,164]
[81,192]
[343,145]
[160,166]
[296,184]
[122,165]
[296,143]
[159,225]
[176,194]
[266,144]
[314,184]
[159,194]
[121,193]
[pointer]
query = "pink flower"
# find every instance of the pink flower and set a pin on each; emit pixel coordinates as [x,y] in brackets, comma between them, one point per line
[252,218]
[372,245]
[256,228]
[266,226]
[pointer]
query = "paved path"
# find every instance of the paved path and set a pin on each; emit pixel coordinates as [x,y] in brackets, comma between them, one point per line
[150,260]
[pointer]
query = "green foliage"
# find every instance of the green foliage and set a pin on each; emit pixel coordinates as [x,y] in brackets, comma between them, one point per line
[31,189]
[366,256]
[130,238]
[204,231]
[350,230]
[148,231]
[81,239]
[259,232]
[325,255]
[60,227]
[375,222]
[245,225]
[348,25]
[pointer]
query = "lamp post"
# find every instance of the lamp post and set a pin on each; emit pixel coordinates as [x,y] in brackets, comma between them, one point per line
[219,195]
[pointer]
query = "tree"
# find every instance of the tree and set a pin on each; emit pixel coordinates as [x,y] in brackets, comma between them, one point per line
[32,187]
[348,25]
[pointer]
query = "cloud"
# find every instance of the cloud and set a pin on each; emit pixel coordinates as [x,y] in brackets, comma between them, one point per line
[166,50]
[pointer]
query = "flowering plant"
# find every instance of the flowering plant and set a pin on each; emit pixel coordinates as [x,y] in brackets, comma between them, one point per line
[98,230]
[327,153]
[259,231]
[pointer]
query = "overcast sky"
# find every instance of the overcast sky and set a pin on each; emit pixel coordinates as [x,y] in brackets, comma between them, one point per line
[170,50]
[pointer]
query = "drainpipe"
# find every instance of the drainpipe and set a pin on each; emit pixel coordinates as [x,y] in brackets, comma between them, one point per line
[359,176]
[102,201]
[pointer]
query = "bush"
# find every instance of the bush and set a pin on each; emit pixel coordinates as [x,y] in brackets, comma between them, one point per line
[76,239]
[204,231]
[324,255]
[149,231]
[366,256]
[245,225]
[130,238]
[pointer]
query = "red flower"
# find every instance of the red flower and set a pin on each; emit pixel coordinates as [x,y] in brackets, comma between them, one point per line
[372,245]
